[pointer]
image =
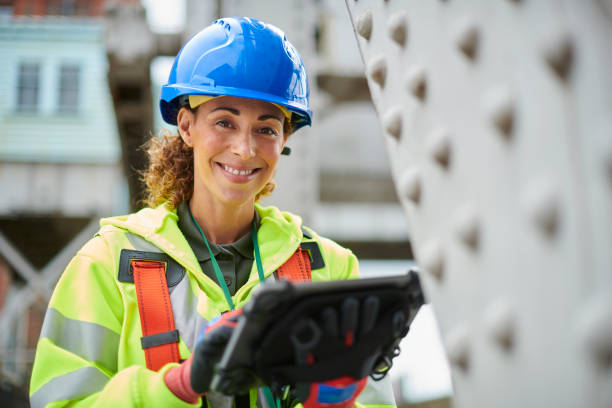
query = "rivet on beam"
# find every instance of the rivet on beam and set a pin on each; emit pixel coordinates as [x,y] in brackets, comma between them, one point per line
[364,24]
[467,38]
[392,122]
[416,82]
[458,347]
[432,259]
[500,107]
[595,330]
[377,70]
[559,54]
[439,147]
[410,185]
[398,28]
[467,226]
[542,205]
[500,323]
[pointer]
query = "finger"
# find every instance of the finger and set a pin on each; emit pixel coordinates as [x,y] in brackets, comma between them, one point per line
[214,342]
[349,319]
[201,375]
[369,314]
[209,351]
[329,317]
[203,369]
[305,336]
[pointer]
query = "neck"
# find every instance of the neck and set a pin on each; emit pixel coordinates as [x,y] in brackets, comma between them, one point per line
[221,223]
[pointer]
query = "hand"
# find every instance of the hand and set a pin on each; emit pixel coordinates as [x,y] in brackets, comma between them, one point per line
[192,378]
[348,325]
[210,347]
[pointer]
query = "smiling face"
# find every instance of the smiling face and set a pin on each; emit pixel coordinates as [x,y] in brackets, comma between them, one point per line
[236,144]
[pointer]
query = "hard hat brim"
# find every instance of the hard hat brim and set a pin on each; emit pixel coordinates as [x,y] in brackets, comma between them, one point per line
[169,104]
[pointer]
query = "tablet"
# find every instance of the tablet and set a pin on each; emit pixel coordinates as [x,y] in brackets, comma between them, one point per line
[282,336]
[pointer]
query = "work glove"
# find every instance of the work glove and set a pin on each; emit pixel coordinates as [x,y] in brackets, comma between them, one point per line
[348,324]
[191,379]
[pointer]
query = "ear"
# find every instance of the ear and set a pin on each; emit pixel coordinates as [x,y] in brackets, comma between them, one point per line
[184,122]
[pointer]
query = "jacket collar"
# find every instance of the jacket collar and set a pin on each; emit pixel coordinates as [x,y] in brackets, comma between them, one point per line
[243,246]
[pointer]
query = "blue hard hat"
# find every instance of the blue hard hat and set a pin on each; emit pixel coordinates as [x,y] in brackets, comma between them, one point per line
[239,56]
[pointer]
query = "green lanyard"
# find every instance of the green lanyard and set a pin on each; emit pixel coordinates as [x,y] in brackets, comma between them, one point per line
[218,273]
[266,390]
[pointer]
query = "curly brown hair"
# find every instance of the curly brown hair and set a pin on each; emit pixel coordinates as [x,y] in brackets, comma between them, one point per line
[169,176]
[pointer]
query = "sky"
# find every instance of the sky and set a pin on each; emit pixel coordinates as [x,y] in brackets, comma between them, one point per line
[165,16]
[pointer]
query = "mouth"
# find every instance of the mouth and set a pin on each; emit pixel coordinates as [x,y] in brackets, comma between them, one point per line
[240,175]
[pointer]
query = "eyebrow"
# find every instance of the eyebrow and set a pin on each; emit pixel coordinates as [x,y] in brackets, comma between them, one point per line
[237,113]
[232,110]
[266,117]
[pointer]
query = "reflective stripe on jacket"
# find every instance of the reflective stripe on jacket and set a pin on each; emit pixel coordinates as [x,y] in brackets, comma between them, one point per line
[89,352]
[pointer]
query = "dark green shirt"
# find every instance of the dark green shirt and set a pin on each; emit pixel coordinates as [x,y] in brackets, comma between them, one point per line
[235,260]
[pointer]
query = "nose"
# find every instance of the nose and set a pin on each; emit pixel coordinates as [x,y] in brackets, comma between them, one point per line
[242,145]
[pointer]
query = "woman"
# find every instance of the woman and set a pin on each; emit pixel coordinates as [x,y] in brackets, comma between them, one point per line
[236,91]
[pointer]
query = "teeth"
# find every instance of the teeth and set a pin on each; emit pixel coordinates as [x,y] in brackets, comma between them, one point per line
[238,172]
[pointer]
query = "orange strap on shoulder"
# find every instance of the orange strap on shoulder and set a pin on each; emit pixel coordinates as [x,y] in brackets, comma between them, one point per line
[159,336]
[297,268]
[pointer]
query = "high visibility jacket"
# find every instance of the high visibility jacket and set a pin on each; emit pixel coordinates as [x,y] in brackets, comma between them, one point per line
[89,352]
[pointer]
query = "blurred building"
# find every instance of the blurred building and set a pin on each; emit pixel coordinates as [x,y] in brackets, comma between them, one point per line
[60,158]
[80,102]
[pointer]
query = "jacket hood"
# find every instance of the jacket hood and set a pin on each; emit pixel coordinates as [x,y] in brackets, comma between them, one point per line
[151,220]
[279,232]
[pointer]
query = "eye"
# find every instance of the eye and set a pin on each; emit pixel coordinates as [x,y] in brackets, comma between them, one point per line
[268,131]
[223,123]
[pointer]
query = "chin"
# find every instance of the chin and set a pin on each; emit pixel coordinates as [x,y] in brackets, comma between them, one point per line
[238,198]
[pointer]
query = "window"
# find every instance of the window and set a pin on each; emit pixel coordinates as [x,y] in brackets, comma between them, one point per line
[67,8]
[69,88]
[60,7]
[28,86]
[70,7]
[5,11]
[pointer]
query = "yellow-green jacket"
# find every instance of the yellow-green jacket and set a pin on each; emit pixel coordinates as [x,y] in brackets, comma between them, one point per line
[89,352]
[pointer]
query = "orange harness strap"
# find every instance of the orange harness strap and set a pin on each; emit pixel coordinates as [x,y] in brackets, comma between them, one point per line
[160,337]
[297,268]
